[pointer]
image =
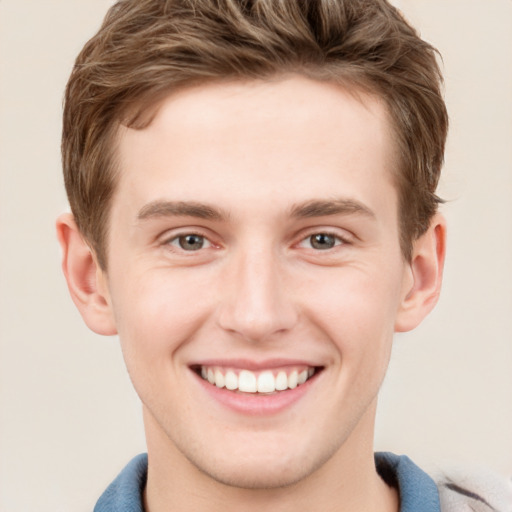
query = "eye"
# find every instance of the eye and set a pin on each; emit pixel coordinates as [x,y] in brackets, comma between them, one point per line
[322,241]
[190,242]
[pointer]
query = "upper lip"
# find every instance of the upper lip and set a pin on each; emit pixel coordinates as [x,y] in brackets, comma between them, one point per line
[249,364]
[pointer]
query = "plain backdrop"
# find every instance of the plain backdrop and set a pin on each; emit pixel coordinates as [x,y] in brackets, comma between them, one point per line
[69,418]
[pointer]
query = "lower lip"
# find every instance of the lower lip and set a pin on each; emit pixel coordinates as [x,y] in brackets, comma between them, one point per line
[256,404]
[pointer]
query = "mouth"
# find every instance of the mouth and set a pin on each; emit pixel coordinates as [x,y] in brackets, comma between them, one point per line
[264,382]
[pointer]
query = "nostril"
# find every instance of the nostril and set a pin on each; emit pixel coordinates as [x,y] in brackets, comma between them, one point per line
[257,324]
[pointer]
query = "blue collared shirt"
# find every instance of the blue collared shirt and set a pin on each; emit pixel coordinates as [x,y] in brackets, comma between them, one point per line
[418,492]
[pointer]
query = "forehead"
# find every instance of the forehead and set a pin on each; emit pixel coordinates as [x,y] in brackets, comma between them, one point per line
[291,134]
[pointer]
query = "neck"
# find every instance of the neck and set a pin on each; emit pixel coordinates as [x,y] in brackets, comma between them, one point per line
[348,481]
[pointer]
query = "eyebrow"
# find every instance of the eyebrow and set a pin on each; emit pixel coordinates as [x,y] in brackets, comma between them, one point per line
[157,209]
[308,209]
[322,207]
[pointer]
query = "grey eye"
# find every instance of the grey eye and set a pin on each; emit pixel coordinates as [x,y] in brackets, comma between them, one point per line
[191,242]
[322,241]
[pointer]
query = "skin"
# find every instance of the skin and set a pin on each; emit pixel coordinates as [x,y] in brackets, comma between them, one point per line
[239,165]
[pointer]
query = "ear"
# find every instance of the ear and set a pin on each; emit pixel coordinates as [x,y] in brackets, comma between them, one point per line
[87,282]
[422,284]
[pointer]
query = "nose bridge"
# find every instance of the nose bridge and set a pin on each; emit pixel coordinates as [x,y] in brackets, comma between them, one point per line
[257,304]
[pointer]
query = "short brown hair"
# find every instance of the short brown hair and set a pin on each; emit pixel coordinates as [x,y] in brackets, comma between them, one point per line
[148,48]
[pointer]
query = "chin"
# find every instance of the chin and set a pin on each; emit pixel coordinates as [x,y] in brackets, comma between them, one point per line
[260,477]
[272,472]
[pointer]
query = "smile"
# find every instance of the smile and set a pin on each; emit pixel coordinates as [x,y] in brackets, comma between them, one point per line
[247,381]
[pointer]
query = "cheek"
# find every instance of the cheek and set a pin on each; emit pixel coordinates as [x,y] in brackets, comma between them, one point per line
[157,316]
[357,300]
[157,312]
[356,311]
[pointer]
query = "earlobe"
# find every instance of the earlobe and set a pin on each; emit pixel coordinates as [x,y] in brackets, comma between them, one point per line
[426,269]
[86,280]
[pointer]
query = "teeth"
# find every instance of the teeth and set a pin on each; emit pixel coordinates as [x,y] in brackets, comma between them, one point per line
[292,379]
[281,381]
[231,380]
[266,383]
[250,382]
[219,379]
[247,382]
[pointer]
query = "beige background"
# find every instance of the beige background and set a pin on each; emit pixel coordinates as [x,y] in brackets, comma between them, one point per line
[69,419]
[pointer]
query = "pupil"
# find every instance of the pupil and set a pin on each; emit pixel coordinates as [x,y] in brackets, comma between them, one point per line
[191,242]
[322,241]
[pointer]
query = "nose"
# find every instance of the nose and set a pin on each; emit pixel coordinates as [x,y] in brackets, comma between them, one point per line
[256,304]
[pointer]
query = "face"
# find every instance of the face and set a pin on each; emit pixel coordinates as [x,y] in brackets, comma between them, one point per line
[255,275]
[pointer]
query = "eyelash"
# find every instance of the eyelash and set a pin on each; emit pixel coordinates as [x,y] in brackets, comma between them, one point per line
[337,239]
[176,241]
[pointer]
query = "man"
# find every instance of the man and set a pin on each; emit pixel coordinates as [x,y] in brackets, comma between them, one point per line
[254,213]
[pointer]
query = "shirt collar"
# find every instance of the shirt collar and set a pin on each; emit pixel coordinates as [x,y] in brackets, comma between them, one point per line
[418,492]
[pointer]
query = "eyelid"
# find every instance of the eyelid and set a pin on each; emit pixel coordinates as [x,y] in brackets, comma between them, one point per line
[176,238]
[338,242]
[346,238]
[172,235]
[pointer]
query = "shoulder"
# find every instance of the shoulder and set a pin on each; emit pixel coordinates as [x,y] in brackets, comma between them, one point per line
[474,491]
[457,490]
[124,494]
[418,491]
